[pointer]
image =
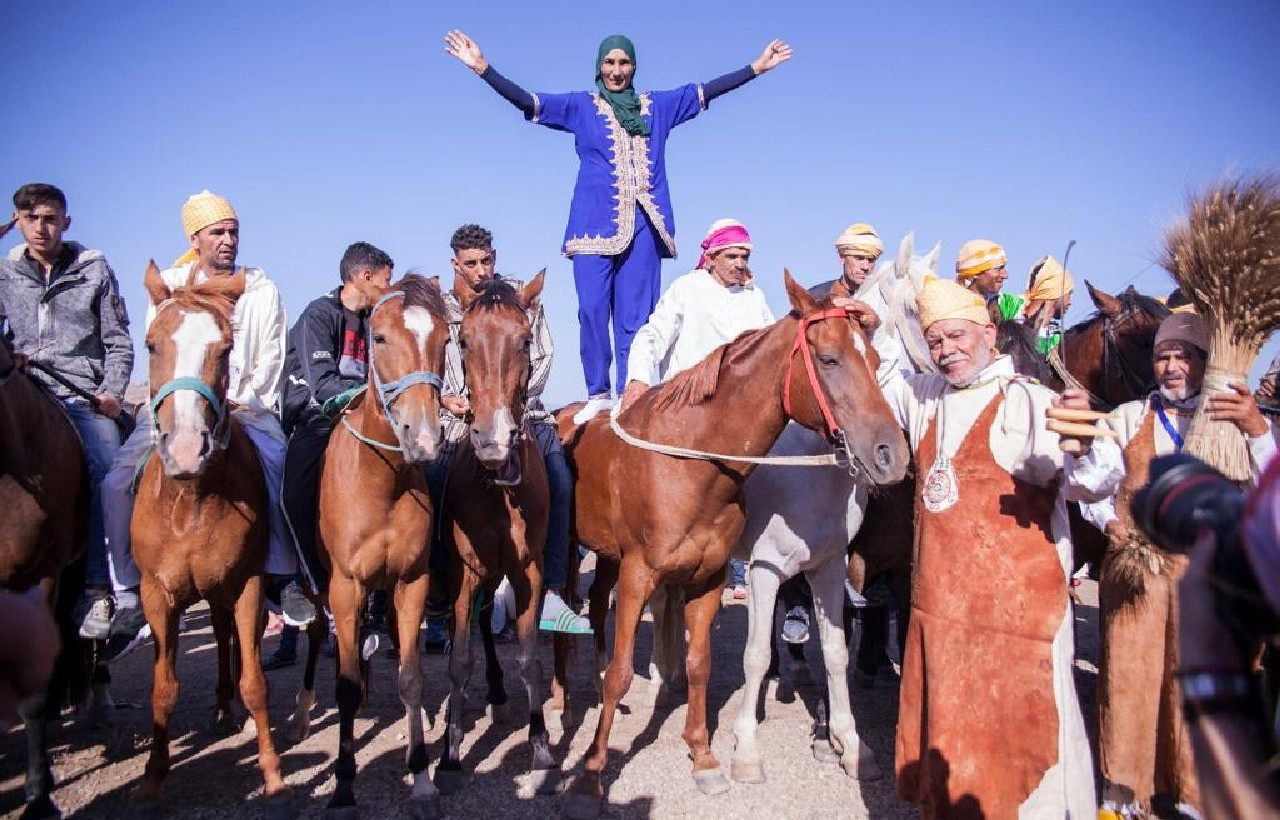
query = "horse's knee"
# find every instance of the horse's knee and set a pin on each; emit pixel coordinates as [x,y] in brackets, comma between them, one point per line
[617,680]
[409,685]
[834,650]
[697,668]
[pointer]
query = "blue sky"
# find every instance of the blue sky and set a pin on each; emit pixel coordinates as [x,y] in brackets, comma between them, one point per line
[1029,123]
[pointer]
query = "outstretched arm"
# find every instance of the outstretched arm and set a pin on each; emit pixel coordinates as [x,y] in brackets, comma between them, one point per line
[774,55]
[468,53]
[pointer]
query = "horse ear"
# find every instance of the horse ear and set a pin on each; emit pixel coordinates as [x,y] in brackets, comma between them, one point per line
[462,291]
[931,260]
[1107,304]
[154,284]
[533,289]
[801,300]
[906,250]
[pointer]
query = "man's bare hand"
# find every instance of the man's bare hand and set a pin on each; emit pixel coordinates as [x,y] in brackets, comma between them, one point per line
[860,311]
[1240,408]
[632,392]
[108,405]
[456,405]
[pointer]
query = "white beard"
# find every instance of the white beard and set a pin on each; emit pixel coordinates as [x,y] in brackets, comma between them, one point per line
[1178,395]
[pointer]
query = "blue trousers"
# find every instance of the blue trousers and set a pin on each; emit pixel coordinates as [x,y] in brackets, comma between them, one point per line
[624,288]
[101,438]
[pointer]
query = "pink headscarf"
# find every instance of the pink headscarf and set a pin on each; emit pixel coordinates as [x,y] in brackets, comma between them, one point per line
[724,233]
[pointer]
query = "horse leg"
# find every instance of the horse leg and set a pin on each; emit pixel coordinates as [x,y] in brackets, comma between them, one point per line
[223,724]
[300,721]
[827,582]
[253,693]
[39,783]
[701,606]
[636,583]
[163,620]
[410,600]
[602,585]
[762,593]
[665,668]
[544,772]
[450,776]
[496,698]
[561,651]
[345,597]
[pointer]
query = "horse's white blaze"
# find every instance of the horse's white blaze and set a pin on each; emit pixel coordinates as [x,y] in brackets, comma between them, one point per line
[191,342]
[860,345]
[495,441]
[419,322]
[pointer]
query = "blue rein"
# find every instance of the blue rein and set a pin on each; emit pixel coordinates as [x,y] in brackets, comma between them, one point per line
[198,386]
[388,392]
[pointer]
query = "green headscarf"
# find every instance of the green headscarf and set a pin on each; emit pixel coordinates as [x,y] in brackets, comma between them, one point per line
[626,103]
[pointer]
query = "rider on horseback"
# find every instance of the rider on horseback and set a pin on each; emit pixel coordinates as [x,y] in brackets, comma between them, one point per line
[1048,300]
[981,266]
[64,307]
[474,259]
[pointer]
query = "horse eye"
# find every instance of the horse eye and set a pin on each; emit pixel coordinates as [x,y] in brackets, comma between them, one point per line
[151,348]
[379,339]
[827,360]
[462,344]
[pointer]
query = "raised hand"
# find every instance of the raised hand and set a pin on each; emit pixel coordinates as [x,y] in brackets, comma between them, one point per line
[465,50]
[774,55]
[1239,408]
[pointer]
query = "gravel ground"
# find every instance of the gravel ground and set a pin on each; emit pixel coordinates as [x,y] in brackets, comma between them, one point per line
[648,773]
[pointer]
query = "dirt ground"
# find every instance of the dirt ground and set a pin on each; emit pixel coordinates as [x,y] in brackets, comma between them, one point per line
[648,774]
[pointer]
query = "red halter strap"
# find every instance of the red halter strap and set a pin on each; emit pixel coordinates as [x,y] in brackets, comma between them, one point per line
[833,431]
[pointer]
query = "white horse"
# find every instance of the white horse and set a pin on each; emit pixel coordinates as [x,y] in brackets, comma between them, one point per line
[801,519]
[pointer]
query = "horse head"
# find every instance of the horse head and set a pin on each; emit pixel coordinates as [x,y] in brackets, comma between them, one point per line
[495,340]
[900,280]
[1111,351]
[833,389]
[408,331]
[189,347]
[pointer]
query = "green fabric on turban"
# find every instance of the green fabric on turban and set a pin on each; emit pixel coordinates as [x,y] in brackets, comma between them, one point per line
[626,103]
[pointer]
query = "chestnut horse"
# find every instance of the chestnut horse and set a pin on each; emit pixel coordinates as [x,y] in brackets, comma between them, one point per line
[199,527]
[499,509]
[657,519]
[375,516]
[44,517]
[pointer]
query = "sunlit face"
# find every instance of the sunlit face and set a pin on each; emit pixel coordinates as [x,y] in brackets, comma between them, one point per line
[989,282]
[475,264]
[218,245]
[1179,368]
[961,349]
[857,265]
[729,266]
[616,70]
[42,227]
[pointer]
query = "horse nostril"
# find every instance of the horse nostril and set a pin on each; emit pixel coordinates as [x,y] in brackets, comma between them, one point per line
[884,456]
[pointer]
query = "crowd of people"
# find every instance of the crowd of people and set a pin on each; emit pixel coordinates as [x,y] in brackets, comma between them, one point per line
[989,718]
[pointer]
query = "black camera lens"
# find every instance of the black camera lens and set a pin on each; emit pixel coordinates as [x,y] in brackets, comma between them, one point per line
[1183,496]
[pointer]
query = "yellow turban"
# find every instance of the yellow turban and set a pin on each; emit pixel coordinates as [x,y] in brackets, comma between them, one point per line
[199,212]
[943,299]
[1184,327]
[861,237]
[1049,280]
[978,256]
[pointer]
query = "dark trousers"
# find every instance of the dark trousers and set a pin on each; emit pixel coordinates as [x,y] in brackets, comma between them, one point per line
[301,494]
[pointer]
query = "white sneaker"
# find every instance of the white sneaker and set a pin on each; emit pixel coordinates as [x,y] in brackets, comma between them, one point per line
[589,410]
[95,623]
[558,617]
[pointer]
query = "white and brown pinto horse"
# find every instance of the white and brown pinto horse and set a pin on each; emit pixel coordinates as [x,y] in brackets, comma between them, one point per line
[199,529]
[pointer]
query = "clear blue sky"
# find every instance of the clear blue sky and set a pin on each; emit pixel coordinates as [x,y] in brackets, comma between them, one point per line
[1029,123]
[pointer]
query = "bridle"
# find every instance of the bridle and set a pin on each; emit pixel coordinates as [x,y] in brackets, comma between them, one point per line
[388,392]
[221,432]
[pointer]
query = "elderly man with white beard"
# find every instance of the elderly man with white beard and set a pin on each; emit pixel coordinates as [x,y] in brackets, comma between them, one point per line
[1143,747]
[989,724]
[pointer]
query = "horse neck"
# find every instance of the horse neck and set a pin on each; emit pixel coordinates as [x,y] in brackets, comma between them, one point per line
[745,414]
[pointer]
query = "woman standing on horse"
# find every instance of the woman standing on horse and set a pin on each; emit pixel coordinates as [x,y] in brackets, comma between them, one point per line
[621,225]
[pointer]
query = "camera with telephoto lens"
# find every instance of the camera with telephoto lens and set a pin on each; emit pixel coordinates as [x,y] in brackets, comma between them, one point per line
[1184,496]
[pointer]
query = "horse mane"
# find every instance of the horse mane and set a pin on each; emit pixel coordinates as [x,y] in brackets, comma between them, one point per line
[495,292]
[206,297]
[1018,341]
[698,384]
[419,291]
[1130,302]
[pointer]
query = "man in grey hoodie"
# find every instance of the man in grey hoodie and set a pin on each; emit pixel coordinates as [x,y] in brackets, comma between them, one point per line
[65,308]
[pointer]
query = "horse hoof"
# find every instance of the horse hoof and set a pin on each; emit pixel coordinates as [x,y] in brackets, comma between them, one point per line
[299,730]
[543,781]
[279,807]
[145,810]
[824,754]
[711,781]
[42,808]
[582,806]
[498,712]
[223,726]
[427,807]
[860,764]
[450,781]
[747,771]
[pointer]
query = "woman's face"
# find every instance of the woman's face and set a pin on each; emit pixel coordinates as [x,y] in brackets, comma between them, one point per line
[616,70]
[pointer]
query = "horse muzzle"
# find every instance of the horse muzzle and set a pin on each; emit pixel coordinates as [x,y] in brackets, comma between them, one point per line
[185,454]
[420,442]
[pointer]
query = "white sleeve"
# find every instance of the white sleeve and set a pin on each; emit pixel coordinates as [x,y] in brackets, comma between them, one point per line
[1094,476]
[1262,449]
[540,355]
[1099,513]
[653,342]
[270,328]
[892,355]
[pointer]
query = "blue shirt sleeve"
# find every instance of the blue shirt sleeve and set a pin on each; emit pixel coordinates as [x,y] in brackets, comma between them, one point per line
[727,82]
[676,106]
[558,111]
[509,91]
